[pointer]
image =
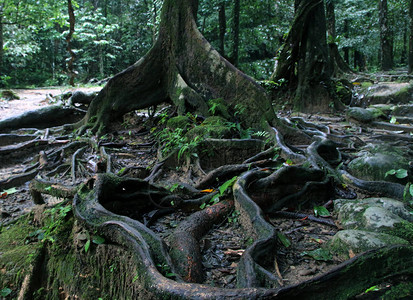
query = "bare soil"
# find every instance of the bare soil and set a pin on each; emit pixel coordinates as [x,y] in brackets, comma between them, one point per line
[31,99]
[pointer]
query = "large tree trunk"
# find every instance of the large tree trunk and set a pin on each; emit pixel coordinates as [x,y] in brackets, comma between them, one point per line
[304,60]
[181,67]
[385,37]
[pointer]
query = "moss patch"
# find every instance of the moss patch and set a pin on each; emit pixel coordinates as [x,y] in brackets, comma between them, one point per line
[17,253]
[401,291]
[178,122]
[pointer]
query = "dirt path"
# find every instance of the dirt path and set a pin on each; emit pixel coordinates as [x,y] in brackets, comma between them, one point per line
[31,99]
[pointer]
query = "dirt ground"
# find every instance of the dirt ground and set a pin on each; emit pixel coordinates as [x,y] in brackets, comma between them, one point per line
[31,99]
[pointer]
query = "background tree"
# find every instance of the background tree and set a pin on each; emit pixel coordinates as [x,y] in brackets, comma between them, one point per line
[304,60]
[72,21]
[338,65]
[410,69]
[235,32]
[386,37]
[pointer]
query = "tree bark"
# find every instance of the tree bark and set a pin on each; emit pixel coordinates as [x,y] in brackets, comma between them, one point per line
[236,15]
[346,51]
[182,68]
[222,27]
[385,37]
[337,63]
[1,41]
[72,21]
[304,59]
[410,55]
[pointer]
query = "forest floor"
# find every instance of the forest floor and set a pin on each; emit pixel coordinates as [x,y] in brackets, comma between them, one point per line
[31,99]
[222,247]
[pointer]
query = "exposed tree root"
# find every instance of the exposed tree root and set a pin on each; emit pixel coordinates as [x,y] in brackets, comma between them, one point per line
[184,242]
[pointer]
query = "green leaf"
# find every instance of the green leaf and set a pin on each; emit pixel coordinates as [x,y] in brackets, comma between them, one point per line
[135,278]
[203,205]
[87,245]
[5,292]
[393,120]
[319,254]
[390,172]
[372,289]
[411,189]
[401,173]
[284,240]
[98,240]
[10,191]
[227,184]
[321,211]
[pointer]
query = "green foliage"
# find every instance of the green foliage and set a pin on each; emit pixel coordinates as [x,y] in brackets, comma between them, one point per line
[221,191]
[402,290]
[165,269]
[284,240]
[399,173]
[233,218]
[321,211]
[54,220]
[5,292]
[176,139]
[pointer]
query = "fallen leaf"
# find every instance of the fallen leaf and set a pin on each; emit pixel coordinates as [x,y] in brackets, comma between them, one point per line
[351,253]
[3,195]
[207,191]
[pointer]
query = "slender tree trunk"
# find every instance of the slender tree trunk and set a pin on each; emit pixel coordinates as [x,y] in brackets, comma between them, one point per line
[235,26]
[410,55]
[222,27]
[154,17]
[72,21]
[385,37]
[359,60]
[101,62]
[403,56]
[346,50]
[337,64]
[1,41]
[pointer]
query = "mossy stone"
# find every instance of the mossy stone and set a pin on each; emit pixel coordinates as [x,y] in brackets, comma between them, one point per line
[361,114]
[212,127]
[178,122]
[403,110]
[211,131]
[375,161]
[359,241]
[9,95]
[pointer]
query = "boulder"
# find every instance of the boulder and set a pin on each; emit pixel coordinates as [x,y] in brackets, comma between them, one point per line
[374,162]
[352,242]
